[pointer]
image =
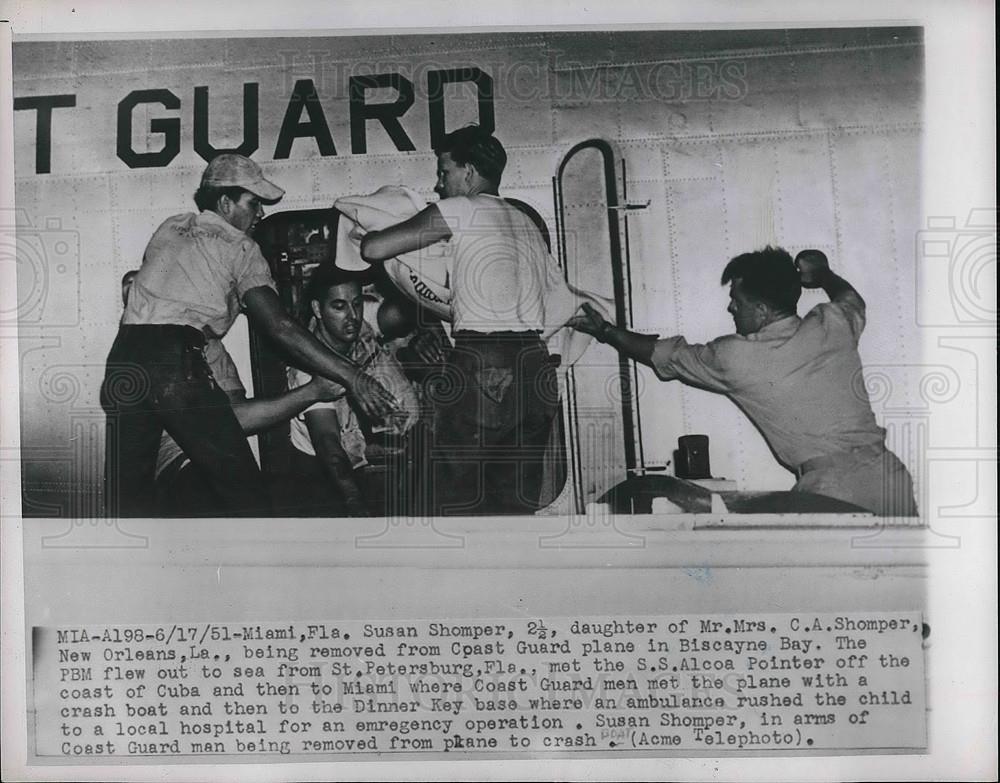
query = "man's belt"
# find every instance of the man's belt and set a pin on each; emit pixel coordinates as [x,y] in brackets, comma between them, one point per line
[185,331]
[504,334]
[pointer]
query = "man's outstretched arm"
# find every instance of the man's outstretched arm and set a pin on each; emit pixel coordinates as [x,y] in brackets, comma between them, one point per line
[257,414]
[631,344]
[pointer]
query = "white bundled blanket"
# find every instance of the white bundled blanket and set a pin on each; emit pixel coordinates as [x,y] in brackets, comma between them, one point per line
[424,275]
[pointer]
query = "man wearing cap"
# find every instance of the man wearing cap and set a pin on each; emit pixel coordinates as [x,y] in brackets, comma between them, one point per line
[199,271]
[799,380]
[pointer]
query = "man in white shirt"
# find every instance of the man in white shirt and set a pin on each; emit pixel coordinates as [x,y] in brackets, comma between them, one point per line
[499,394]
[799,380]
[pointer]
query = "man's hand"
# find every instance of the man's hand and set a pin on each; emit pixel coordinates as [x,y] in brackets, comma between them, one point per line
[815,272]
[631,344]
[590,322]
[326,390]
[426,347]
[375,400]
[814,268]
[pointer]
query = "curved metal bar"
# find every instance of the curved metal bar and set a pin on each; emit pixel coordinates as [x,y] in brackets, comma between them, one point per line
[618,277]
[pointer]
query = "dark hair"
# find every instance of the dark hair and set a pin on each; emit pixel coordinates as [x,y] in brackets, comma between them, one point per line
[474,144]
[206,197]
[767,275]
[323,278]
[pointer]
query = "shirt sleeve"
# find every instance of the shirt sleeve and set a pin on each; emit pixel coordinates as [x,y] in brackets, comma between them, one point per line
[852,308]
[252,270]
[708,366]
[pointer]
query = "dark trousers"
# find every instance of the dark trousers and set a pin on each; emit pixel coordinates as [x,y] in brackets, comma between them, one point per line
[305,489]
[157,379]
[494,405]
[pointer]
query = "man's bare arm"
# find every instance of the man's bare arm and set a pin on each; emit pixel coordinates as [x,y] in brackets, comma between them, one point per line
[259,414]
[422,230]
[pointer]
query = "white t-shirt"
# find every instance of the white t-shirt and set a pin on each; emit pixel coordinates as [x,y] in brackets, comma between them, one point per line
[499,265]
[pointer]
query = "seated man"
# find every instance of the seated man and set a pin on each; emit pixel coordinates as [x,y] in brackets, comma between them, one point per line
[329,438]
[797,379]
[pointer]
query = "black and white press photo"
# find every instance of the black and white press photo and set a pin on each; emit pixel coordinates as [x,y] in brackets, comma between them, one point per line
[579,394]
[256,296]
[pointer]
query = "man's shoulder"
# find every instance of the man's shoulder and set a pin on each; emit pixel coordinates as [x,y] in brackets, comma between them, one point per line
[172,233]
[728,340]
[723,351]
[191,225]
[214,226]
[176,224]
[478,209]
[206,230]
[846,311]
[451,204]
[181,217]
[473,198]
[728,345]
[737,355]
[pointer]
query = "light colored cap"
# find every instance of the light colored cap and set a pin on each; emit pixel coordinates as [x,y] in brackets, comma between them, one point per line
[231,170]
